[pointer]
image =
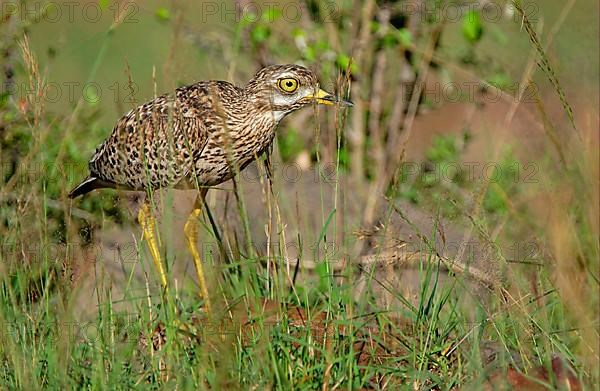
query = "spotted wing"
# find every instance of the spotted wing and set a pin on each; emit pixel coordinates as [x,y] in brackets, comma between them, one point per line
[154,145]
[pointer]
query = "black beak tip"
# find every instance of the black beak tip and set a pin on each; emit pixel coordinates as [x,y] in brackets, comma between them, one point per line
[341,101]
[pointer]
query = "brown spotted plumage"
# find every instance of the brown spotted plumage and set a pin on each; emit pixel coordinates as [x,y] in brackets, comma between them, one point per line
[200,136]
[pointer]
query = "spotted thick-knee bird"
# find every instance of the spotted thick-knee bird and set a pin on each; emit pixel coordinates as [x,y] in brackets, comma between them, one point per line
[200,136]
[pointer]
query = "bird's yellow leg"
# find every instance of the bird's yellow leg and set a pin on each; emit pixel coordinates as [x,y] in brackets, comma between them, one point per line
[148,224]
[191,234]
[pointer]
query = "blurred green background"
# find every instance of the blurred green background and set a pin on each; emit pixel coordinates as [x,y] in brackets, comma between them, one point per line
[370,183]
[183,42]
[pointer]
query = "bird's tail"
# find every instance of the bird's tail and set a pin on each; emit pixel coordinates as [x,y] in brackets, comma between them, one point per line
[90,183]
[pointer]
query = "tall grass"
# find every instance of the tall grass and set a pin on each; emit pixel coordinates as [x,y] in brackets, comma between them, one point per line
[357,306]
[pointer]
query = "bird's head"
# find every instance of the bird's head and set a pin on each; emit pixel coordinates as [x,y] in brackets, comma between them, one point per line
[286,88]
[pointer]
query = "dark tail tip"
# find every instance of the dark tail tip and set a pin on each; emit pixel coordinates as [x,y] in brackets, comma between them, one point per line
[89,184]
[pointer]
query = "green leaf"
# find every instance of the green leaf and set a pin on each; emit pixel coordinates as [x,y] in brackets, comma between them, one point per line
[310,53]
[389,40]
[404,37]
[298,32]
[290,144]
[271,15]
[343,156]
[163,14]
[260,33]
[324,229]
[471,27]
[321,271]
[343,61]
[375,26]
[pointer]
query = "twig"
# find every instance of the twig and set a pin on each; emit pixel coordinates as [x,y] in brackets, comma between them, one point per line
[374,125]
[356,136]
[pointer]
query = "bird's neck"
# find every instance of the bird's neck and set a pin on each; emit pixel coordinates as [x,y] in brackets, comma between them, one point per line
[255,121]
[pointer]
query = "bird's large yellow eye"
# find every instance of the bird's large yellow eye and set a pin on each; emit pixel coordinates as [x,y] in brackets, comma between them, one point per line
[288,85]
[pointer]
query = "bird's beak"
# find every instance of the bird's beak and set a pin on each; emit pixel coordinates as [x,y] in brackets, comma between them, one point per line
[325,98]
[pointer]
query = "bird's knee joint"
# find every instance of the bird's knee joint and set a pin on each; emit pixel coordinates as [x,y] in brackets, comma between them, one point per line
[191,229]
[191,226]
